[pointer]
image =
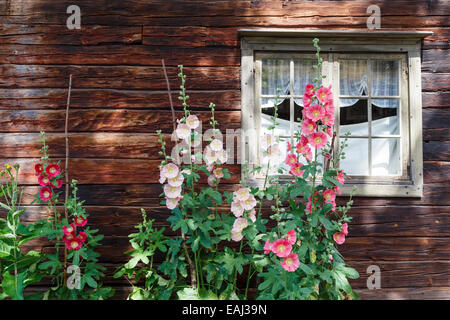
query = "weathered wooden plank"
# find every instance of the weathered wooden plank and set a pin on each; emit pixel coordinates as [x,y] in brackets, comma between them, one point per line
[436,60]
[117,77]
[435,118]
[412,293]
[108,98]
[436,171]
[118,55]
[435,81]
[106,171]
[436,99]
[91,120]
[60,34]
[436,150]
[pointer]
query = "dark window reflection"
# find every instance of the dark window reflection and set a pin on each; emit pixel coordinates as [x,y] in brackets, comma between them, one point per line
[283,110]
[354,114]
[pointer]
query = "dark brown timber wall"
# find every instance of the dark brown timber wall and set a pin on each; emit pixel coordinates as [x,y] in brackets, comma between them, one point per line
[119,100]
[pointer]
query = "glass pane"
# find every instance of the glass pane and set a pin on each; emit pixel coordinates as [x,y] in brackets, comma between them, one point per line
[386,157]
[356,162]
[384,78]
[267,111]
[275,75]
[354,118]
[304,73]
[385,116]
[353,77]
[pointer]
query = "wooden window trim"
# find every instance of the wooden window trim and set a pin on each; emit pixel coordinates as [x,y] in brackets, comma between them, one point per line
[336,42]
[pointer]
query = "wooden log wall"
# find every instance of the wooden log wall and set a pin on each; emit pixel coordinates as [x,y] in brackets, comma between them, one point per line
[119,100]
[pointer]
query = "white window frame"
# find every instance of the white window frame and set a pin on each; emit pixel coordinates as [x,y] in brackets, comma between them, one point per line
[335,44]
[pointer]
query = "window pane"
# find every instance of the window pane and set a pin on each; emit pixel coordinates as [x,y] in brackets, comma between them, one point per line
[385,116]
[353,77]
[356,160]
[384,78]
[354,118]
[267,111]
[275,75]
[304,73]
[385,157]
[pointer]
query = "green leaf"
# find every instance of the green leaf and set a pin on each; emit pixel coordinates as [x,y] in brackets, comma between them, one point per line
[13,286]
[306,269]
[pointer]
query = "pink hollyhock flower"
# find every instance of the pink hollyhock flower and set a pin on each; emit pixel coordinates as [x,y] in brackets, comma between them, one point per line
[289,147]
[291,262]
[291,236]
[218,173]
[216,145]
[315,112]
[329,106]
[337,189]
[236,235]
[306,102]
[328,156]
[68,230]
[252,215]
[74,244]
[339,237]
[329,195]
[328,119]
[82,236]
[330,257]
[192,122]
[237,208]
[170,171]
[296,169]
[324,94]
[172,203]
[291,159]
[53,170]
[58,184]
[302,146]
[38,168]
[240,224]
[183,131]
[309,90]
[340,177]
[45,194]
[268,246]
[213,181]
[80,221]
[242,194]
[249,203]
[282,248]
[308,126]
[318,140]
[172,192]
[329,131]
[177,181]
[344,229]
[44,181]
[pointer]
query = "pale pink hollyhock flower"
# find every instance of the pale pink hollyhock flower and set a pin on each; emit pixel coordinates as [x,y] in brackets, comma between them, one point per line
[318,140]
[291,236]
[240,224]
[328,119]
[186,172]
[329,131]
[218,173]
[306,101]
[172,203]
[309,90]
[282,248]
[268,246]
[273,152]
[296,169]
[236,235]
[291,159]
[291,262]
[249,203]
[242,194]
[177,181]
[172,192]
[315,112]
[192,121]
[344,229]
[323,94]
[169,171]
[267,140]
[340,177]
[223,156]
[183,131]
[252,215]
[308,126]
[339,237]
[329,196]
[237,208]
[213,181]
[216,145]
[210,155]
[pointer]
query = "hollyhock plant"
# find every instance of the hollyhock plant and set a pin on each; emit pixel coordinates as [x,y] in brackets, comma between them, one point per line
[323,94]
[339,237]
[39,168]
[329,196]
[296,170]
[317,140]
[240,224]
[315,112]
[192,122]
[236,235]
[183,132]
[171,191]
[237,208]
[53,170]
[328,119]
[218,173]
[44,181]
[169,171]
[291,262]
[74,244]
[82,236]
[291,237]
[309,90]
[45,194]
[80,221]
[68,229]
[308,126]
[291,159]
[344,229]
[56,184]
[172,203]
[282,248]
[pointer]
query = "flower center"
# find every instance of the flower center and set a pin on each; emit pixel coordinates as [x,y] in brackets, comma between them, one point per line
[316,113]
[74,244]
[318,140]
[46,194]
[281,248]
[289,261]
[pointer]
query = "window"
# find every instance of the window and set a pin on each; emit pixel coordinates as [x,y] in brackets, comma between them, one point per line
[377,95]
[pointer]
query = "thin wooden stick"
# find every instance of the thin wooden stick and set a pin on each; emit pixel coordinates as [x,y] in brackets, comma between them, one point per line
[67,168]
[183,236]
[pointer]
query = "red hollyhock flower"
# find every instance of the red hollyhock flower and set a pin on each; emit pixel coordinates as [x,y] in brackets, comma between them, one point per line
[68,237]
[53,170]
[38,168]
[82,236]
[68,230]
[80,221]
[45,194]
[57,184]
[74,244]
[44,181]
